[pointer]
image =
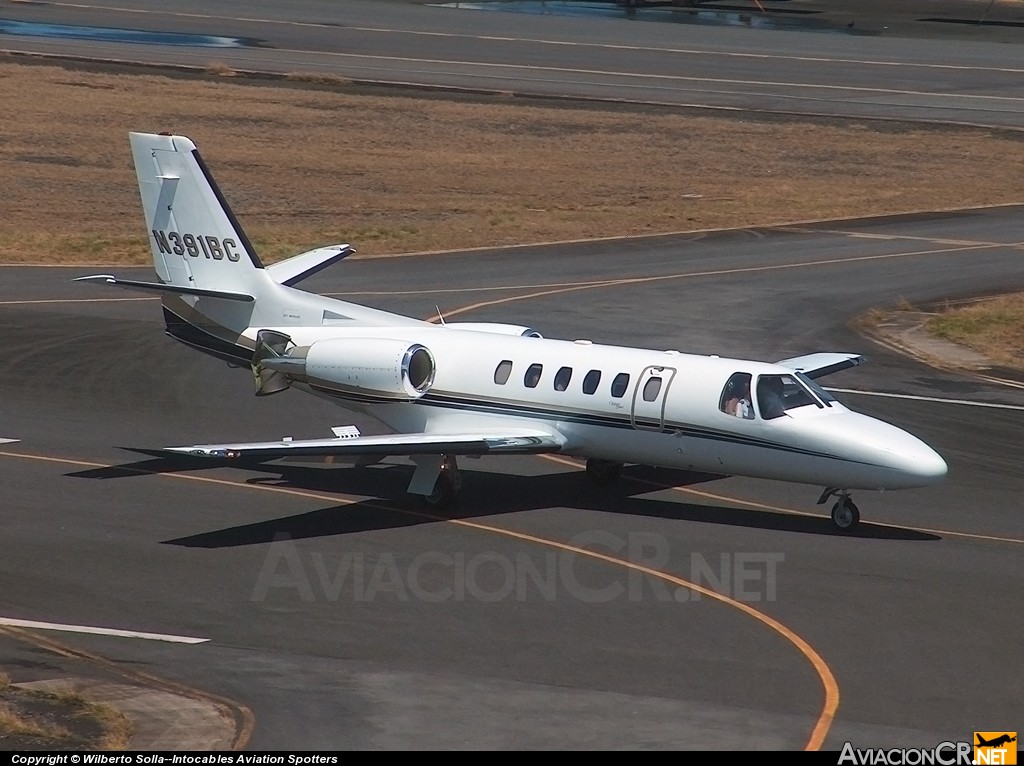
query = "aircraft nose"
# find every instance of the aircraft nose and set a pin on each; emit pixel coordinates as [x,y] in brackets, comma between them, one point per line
[928,465]
[915,459]
[903,460]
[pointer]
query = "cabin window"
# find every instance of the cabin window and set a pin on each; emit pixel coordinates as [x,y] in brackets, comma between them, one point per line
[620,384]
[562,378]
[736,396]
[778,393]
[651,389]
[532,376]
[591,381]
[503,370]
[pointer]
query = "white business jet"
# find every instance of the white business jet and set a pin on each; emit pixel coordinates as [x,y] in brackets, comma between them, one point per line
[479,389]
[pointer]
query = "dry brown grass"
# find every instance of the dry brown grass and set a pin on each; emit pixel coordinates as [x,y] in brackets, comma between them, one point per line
[33,717]
[14,723]
[117,728]
[312,160]
[220,69]
[305,166]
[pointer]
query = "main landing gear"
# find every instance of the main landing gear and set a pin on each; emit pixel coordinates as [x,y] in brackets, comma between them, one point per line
[437,480]
[845,513]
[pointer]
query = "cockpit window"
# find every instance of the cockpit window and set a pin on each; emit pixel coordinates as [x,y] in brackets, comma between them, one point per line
[778,393]
[736,396]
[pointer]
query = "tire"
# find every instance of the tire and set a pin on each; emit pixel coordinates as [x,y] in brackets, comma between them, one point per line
[845,515]
[443,495]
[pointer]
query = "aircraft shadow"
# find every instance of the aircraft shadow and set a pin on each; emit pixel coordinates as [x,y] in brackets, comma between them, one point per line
[159,464]
[482,497]
[324,522]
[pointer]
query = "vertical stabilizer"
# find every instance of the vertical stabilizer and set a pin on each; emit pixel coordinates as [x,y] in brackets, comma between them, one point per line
[194,237]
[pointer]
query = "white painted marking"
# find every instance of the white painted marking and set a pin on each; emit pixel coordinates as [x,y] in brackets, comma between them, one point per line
[99,631]
[936,399]
[8,441]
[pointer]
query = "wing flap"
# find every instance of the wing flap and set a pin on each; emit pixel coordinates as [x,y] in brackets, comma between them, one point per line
[821,364]
[509,442]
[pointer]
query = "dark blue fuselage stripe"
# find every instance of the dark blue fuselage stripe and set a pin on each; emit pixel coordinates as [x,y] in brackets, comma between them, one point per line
[194,336]
[482,406]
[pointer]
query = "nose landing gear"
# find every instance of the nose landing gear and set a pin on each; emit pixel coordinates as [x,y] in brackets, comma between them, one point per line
[845,514]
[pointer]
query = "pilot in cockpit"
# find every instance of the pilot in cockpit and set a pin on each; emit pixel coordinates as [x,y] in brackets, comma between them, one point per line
[736,396]
[769,396]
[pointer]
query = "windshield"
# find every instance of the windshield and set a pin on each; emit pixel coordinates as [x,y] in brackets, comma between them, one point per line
[778,393]
[820,392]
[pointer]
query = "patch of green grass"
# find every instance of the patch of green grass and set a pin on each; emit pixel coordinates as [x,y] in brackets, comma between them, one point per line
[994,327]
[967,325]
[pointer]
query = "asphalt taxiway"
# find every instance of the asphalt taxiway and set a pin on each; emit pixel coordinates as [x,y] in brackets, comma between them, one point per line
[916,70]
[330,612]
[342,616]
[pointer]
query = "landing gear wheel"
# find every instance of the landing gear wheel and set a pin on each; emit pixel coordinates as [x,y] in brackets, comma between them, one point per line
[443,495]
[845,514]
[446,487]
[603,472]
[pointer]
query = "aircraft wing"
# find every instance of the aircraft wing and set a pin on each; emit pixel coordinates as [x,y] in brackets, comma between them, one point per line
[822,364]
[512,441]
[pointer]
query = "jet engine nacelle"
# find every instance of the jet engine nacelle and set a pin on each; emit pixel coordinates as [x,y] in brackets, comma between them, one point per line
[495,327]
[376,367]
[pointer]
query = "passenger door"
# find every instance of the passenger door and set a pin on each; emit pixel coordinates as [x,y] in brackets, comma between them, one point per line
[652,385]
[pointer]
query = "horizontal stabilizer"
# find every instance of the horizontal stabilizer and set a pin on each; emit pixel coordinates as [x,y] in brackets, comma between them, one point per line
[128,284]
[511,442]
[299,267]
[822,364]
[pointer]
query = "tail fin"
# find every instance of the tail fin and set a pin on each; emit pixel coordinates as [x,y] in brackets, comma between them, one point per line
[195,239]
[216,294]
